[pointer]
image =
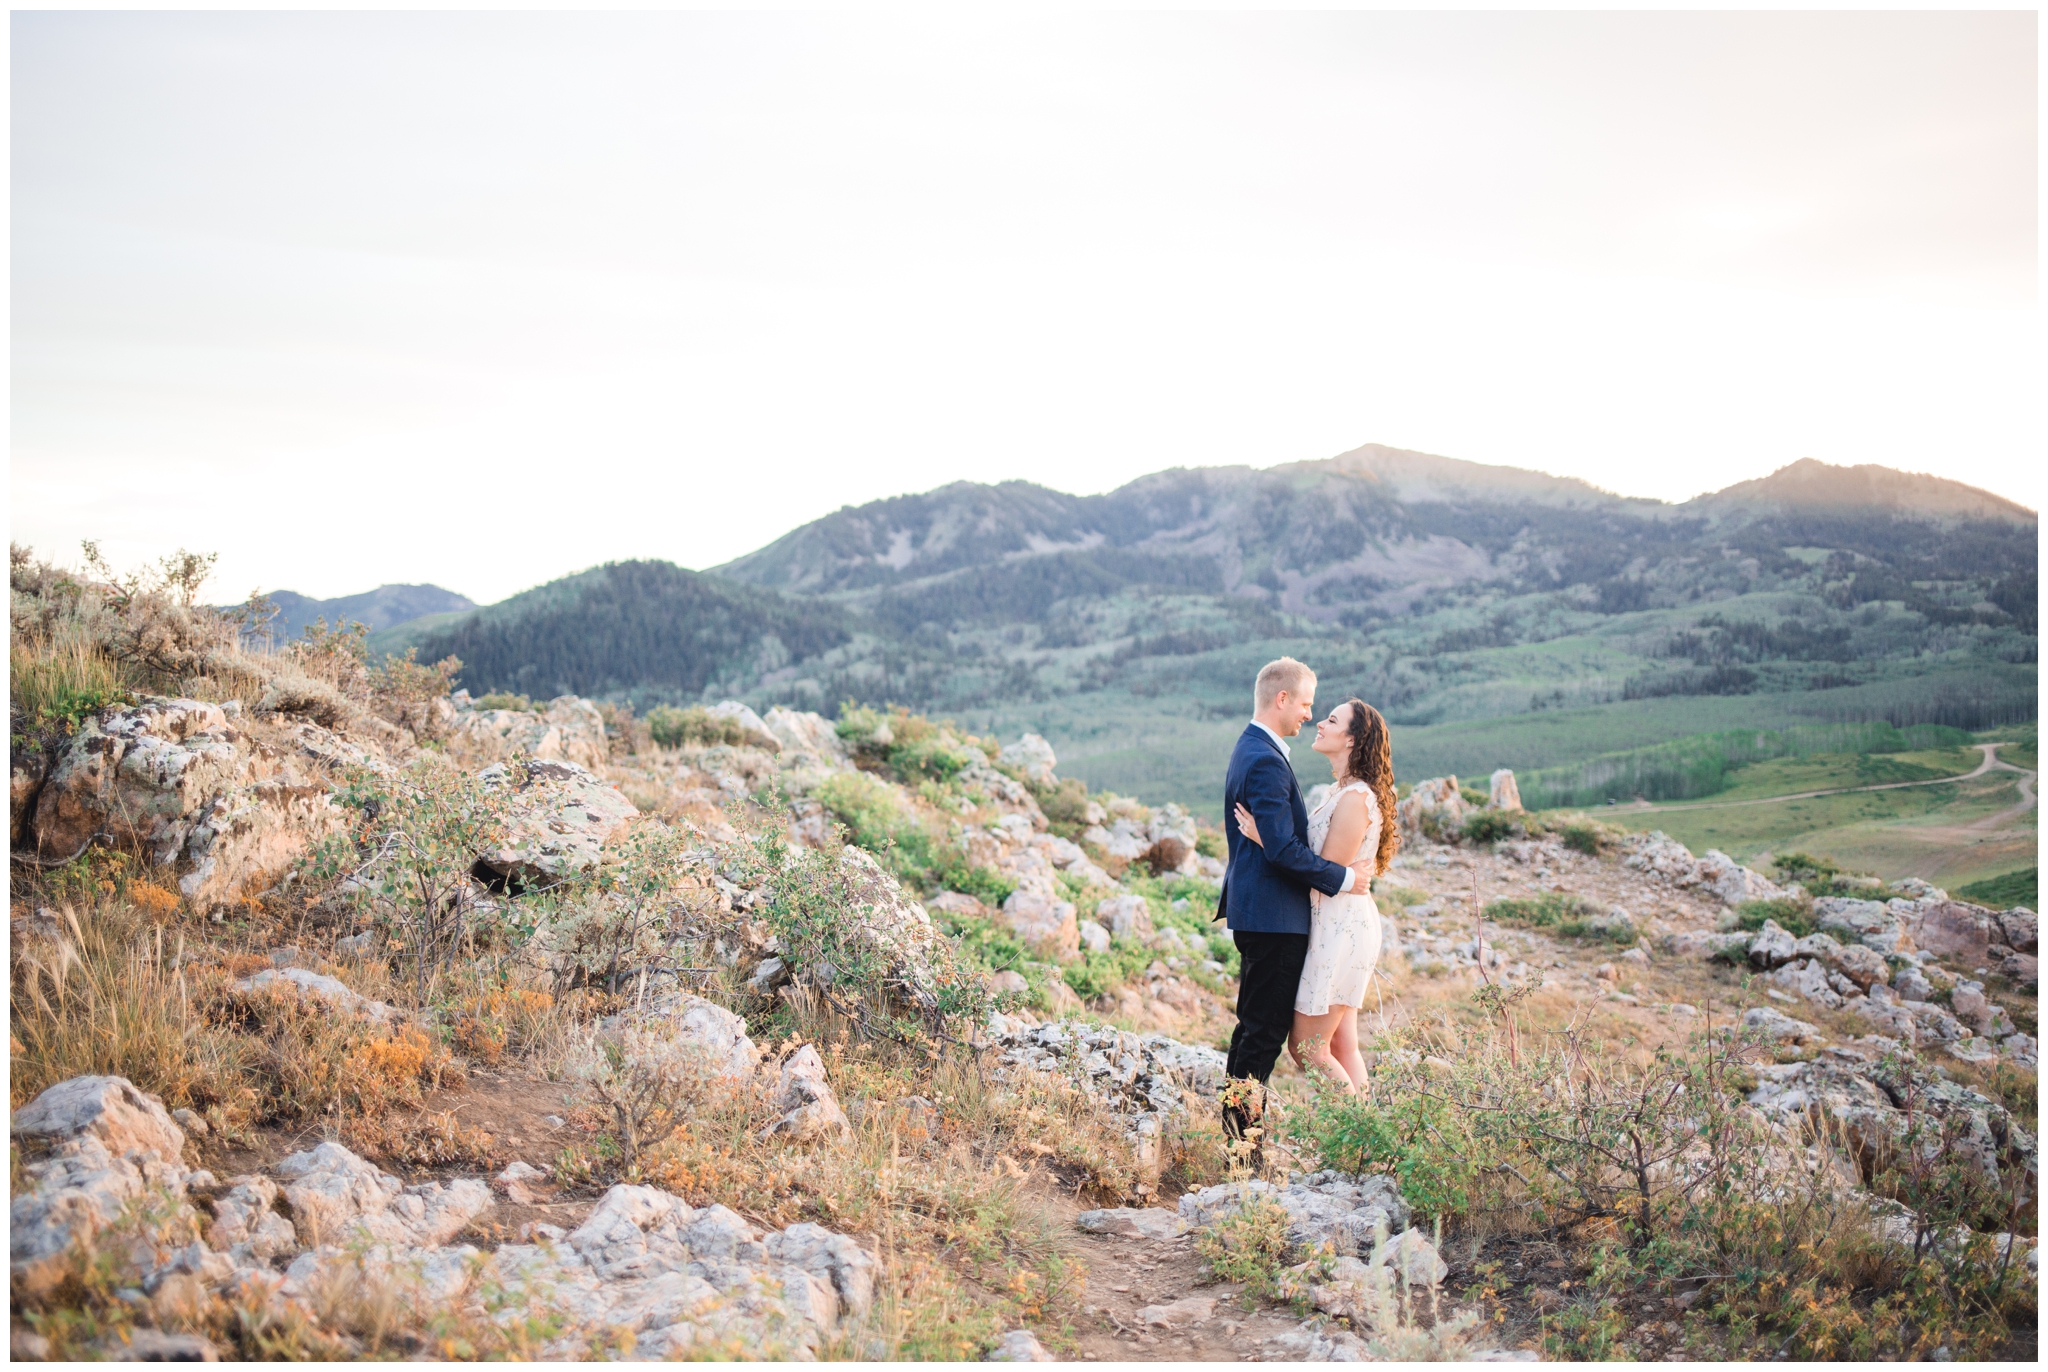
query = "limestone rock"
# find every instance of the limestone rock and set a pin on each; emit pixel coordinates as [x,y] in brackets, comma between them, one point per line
[94,1145]
[1975,1009]
[1128,917]
[805,1098]
[807,740]
[1958,933]
[1094,937]
[1777,1027]
[1772,947]
[1033,756]
[1437,798]
[560,818]
[570,729]
[702,1026]
[109,1109]
[1502,793]
[1128,1073]
[2021,929]
[1188,1310]
[335,1195]
[1413,1259]
[1323,1207]
[1019,1345]
[1707,945]
[1808,978]
[246,1225]
[1867,922]
[1155,1223]
[183,784]
[301,981]
[1044,924]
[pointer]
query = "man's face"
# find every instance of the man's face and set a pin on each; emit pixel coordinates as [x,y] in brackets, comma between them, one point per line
[1295,710]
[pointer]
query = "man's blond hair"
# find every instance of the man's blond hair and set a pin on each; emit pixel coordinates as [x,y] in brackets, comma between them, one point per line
[1281,674]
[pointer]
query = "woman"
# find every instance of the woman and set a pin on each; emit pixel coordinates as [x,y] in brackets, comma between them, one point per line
[1357,816]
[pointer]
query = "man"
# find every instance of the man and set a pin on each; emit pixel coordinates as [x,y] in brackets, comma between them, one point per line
[1264,900]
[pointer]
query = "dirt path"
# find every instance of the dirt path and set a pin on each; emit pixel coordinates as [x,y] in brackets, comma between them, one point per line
[1990,763]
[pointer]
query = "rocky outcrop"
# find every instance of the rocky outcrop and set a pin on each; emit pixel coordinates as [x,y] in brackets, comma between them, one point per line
[1032,756]
[337,1199]
[1867,922]
[93,1147]
[560,817]
[1658,854]
[807,741]
[570,729]
[193,785]
[1128,917]
[1043,923]
[1324,1208]
[1126,1072]
[1502,793]
[802,1094]
[1435,804]
[301,981]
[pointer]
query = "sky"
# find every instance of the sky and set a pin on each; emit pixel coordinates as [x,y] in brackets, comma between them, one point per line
[483,299]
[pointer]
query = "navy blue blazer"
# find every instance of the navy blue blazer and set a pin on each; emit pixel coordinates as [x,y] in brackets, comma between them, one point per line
[1265,890]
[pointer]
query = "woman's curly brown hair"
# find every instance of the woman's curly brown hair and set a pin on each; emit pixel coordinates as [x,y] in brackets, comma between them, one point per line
[1372,761]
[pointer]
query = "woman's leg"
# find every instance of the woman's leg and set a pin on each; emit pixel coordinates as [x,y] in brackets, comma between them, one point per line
[1344,1046]
[1309,1042]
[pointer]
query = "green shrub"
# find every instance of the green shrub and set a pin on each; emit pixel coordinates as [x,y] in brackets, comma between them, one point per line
[876,821]
[1549,910]
[1793,915]
[1420,1139]
[1065,805]
[909,747]
[1210,843]
[1486,826]
[2004,892]
[1249,1244]
[985,884]
[503,700]
[672,727]
[1582,836]
[1473,795]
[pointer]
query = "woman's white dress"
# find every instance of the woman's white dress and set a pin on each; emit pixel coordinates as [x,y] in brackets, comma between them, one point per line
[1344,931]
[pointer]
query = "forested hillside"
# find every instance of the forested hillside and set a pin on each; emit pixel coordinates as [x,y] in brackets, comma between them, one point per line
[1127,626]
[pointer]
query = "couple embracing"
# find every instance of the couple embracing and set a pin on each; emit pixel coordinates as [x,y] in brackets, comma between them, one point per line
[1297,894]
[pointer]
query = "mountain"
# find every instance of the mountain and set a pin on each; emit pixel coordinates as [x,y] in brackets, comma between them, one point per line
[643,629]
[383,608]
[1808,486]
[1127,626]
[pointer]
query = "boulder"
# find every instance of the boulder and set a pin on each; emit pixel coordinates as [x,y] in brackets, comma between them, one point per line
[1155,1223]
[1975,1009]
[1958,933]
[246,1224]
[1731,881]
[1859,921]
[1413,1259]
[1044,924]
[1501,791]
[1864,966]
[1019,1345]
[188,783]
[1323,1208]
[91,1146]
[1094,937]
[1777,1027]
[703,1027]
[1809,979]
[1885,1015]
[806,739]
[1033,756]
[337,1198]
[804,1096]
[569,729]
[1188,1310]
[1124,1072]
[2021,929]
[1128,917]
[1772,946]
[560,817]
[754,732]
[1438,799]
[1705,944]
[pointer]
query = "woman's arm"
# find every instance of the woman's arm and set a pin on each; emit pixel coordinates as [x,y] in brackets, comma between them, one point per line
[1347,828]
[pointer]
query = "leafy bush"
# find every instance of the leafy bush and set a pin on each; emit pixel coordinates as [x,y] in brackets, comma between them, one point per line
[672,727]
[616,926]
[1582,836]
[1065,805]
[1549,910]
[985,884]
[1210,843]
[1793,915]
[1248,1244]
[407,858]
[2021,887]
[502,700]
[909,747]
[1485,826]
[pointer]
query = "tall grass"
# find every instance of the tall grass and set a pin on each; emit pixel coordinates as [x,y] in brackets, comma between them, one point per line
[1700,765]
[60,675]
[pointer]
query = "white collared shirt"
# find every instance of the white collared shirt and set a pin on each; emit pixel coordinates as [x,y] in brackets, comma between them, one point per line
[1350,877]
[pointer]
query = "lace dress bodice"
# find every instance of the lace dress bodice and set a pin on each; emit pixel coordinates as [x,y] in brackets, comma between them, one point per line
[1319,819]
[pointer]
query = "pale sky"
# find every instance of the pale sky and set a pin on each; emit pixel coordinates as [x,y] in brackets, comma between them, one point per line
[482,299]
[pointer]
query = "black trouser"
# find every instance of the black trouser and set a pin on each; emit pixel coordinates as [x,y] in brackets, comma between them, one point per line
[1269,973]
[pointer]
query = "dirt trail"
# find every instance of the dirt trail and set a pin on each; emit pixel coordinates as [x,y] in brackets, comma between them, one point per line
[1990,763]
